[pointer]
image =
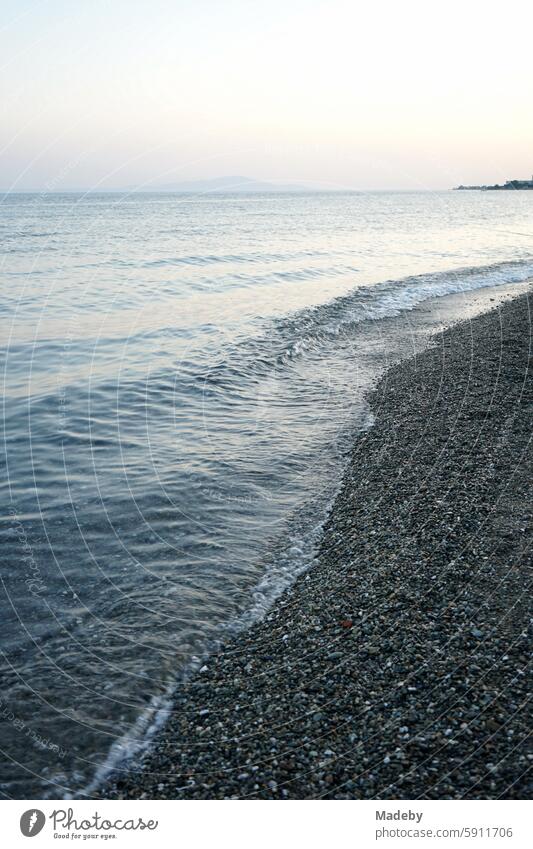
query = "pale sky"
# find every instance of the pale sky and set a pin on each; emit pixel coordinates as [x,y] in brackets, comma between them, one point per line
[402,94]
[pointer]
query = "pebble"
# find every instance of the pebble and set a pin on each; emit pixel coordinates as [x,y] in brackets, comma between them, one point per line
[368,679]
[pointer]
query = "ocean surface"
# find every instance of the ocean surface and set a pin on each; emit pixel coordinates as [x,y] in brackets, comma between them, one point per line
[182,378]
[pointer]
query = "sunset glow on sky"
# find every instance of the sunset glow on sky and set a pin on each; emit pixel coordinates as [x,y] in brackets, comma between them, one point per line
[334,94]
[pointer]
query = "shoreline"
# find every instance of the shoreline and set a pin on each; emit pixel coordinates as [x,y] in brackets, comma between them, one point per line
[349,687]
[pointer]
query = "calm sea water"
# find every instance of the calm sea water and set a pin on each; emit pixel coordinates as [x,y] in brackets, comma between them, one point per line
[181,378]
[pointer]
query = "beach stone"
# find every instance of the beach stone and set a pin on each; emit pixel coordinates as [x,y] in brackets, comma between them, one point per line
[427,550]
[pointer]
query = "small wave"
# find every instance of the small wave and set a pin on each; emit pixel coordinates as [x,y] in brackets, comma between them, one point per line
[389,299]
[133,745]
[307,331]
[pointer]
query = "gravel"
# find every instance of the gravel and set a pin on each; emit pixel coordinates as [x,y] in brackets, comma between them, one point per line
[396,668]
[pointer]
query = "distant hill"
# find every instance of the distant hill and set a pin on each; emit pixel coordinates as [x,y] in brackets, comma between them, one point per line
[508,186]
[241,185]
[229,185]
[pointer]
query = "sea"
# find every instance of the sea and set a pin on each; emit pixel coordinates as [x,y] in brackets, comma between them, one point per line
[183,376]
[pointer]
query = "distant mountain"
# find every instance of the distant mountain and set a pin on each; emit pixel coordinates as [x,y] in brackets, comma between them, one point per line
[241,185]
[230,185]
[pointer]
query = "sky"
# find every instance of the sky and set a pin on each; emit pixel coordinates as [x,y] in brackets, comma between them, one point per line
[337,94]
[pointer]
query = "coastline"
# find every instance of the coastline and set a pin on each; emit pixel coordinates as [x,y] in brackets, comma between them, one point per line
[394,668]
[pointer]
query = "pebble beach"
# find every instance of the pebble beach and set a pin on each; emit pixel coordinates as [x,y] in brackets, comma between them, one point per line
[397,666]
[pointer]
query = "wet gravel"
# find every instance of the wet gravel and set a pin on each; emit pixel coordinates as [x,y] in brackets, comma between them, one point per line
[397,667]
